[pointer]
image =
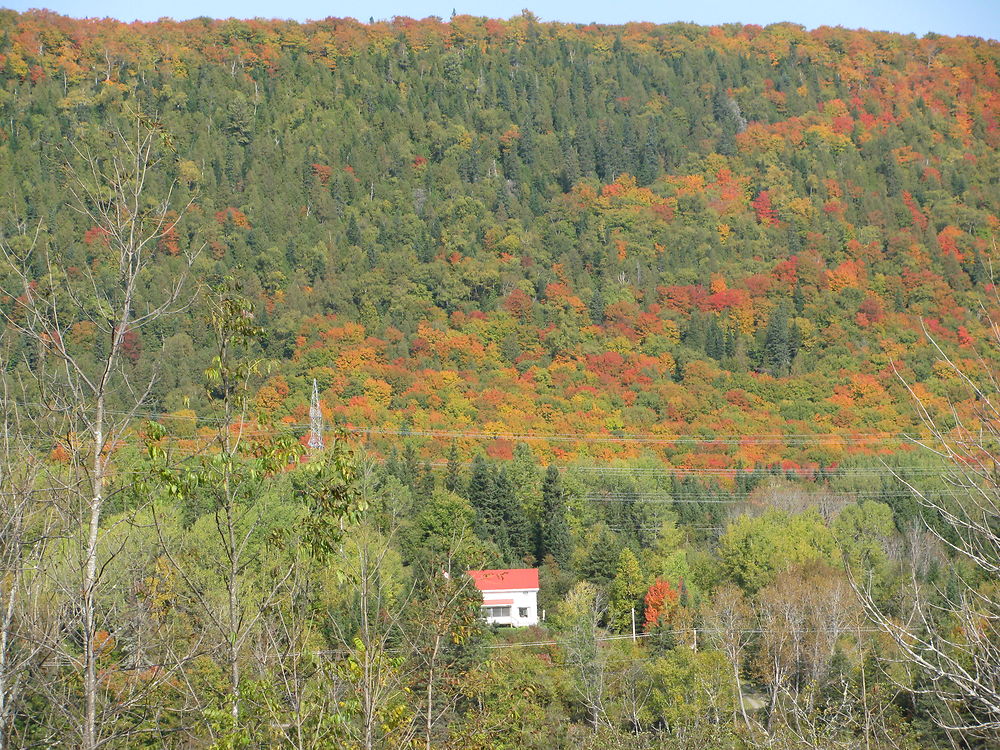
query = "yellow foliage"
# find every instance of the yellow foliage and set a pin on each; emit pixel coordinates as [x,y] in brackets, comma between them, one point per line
[743,320]
[846,275]
[354,359]
[671,332]
[944,371]
[799,209]
[807,331]
[378,392]
[188,172]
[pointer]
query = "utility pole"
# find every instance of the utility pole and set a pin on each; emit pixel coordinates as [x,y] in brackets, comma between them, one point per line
[315,421]
[633,623]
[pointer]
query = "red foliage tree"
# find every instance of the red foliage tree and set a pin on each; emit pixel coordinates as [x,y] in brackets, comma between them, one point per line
[322,173]
[870,311]
[766,214]
[918,216]
[132,346]
[518,304]
[947,240]
[237,217]
[96,235]
[661,603]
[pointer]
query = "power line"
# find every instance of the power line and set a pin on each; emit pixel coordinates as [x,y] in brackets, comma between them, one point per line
[651,439]
[736,499]
[801,438]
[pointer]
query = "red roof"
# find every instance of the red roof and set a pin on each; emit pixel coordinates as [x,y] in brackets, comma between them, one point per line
[505,580]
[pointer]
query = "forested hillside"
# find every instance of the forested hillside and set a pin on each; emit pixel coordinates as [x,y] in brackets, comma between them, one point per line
[669,312]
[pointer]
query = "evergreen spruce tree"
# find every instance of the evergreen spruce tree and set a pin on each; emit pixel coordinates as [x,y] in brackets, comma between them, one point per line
[597,307]
[601,562]
[490,494]
[509,521]
[524,474]
[794,341]
[427,480]
[410,468]
[798,299]
[584,143]
[480,484]
[452,480]
[977,269]
[392,464]
[742,479]
[775,351]
[629,149]
[730,343]
[678,374]
[570,168]
[714,344]
[649,162]
[553,531]
[695,333]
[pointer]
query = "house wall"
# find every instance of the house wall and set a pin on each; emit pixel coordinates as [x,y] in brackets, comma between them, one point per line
[520,599]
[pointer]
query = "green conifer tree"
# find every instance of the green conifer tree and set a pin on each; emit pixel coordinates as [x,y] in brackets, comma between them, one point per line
[714,344]
[452,480]
[509,521]
[553,531]
[775,354]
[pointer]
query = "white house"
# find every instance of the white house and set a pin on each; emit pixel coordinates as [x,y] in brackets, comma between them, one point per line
[510,597]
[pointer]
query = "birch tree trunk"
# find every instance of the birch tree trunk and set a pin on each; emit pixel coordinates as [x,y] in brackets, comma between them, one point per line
[25,529]
[112,188]
[956,644]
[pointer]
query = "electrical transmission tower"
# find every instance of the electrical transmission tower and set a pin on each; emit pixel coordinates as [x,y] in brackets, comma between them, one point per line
[315,421]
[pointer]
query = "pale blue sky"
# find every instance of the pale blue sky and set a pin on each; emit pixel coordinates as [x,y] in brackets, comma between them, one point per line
[966,17]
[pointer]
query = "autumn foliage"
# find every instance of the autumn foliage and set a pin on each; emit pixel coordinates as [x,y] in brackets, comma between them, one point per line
[661,602]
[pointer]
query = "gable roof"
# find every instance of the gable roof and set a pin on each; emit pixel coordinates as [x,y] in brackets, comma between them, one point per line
[505,580]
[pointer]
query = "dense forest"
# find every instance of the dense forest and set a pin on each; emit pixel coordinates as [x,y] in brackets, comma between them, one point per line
[699,321]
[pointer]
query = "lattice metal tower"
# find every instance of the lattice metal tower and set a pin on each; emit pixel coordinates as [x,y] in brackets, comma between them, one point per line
[315,421]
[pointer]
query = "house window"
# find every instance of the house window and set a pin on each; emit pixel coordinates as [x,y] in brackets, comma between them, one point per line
[496,611]
[522,611]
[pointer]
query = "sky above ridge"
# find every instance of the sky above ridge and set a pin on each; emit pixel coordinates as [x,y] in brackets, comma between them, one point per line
[958,17]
